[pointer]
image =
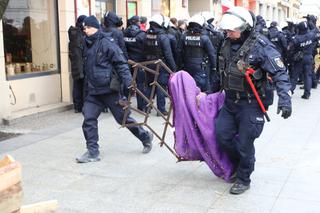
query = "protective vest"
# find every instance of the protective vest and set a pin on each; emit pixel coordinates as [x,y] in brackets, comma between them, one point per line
[232,69]
[193,46]
[152,47]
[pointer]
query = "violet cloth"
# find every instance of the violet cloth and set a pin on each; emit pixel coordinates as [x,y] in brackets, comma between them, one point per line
[194,126]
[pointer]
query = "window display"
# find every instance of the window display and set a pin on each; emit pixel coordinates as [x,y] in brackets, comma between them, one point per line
[30,36]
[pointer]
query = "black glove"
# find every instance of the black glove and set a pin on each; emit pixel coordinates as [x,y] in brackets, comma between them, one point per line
[286,111]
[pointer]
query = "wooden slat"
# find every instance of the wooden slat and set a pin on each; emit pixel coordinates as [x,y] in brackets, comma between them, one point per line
[41,207]
[10,199]
[6,160]
[10,175]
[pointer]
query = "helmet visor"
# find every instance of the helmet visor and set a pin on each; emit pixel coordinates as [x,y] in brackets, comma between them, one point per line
[231,22]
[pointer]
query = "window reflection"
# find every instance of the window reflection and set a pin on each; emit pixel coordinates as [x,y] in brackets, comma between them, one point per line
[30,36]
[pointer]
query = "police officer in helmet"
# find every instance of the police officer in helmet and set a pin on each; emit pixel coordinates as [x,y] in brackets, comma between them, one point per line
[240,120]
[277,38]
[134,39]
[303,45]
[216,38]
[157,46]
[198,53]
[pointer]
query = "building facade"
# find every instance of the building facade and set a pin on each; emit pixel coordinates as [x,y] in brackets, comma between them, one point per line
[34,63]
[272,10]
[310,7]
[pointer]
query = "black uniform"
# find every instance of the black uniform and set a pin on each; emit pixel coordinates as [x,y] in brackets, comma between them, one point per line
[157,46]
[76,48]
[198,54]
[240,120]
[134,39]
[102,56]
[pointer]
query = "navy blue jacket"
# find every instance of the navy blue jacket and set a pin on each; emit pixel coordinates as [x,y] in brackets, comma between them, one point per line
[264,56]
[305,43]
[174,45]
[134,39]
[278,39]
[164,45]
[215,36]
[195,62]
[111,29]
[101,58]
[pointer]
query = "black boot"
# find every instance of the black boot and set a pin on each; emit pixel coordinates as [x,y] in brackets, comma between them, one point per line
[238,188]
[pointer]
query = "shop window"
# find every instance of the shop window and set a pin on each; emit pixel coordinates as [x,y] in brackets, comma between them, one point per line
[30,38]
[102,6]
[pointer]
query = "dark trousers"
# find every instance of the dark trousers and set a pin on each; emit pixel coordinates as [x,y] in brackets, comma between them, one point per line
[305,67]
[237,126]
[200,74]
[93,106]
[78,94]
[161,96]
[141,85]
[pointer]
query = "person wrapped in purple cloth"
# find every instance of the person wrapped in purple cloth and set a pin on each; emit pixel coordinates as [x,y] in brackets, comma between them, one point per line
[194,124]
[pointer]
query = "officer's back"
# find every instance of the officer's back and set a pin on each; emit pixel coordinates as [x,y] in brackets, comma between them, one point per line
[305,41]
[99,65]
[277,38]
[134,39]
[157,44]
[111,24]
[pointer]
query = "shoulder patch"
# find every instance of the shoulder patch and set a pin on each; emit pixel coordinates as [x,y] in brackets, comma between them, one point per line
[279,62]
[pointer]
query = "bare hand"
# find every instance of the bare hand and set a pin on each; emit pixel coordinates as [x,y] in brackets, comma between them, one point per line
[198,97]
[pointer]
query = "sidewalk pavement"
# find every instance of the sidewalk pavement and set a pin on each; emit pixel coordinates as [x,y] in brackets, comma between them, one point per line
[286,178]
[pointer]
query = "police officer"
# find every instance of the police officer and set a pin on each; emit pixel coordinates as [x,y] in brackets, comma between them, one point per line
[174,39]
[216,37]
[101,56]
[277,38]
[312,21]
[157,46]
[289,32]
[198,53]
[76,47]
[111,24]
[302,45]
[261,25]
[134,39]
[240,120]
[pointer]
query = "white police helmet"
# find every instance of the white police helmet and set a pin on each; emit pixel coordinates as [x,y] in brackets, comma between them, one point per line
[158,19]
[197,18]
[236,18]
[207,16]
[166,21]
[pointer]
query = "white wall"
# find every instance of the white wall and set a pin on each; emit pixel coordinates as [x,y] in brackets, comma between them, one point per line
[36,91]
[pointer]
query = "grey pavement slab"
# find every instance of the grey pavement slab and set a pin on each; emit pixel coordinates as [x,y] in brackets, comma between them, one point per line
[286,177]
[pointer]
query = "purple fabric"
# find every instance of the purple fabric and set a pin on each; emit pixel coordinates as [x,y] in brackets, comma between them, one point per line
[194,127]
